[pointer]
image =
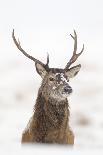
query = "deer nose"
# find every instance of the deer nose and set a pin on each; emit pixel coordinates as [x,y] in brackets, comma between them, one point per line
[68,89]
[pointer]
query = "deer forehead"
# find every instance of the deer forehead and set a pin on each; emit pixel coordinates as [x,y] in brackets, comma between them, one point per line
[58,76]
[61,76]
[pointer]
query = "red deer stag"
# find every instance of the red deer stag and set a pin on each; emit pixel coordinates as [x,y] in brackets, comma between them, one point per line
[50,120]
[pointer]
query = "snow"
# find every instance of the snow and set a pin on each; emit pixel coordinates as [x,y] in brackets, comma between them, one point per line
[45,149]
[63,78]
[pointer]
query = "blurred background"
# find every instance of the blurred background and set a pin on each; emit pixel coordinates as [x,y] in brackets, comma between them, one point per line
[45,26]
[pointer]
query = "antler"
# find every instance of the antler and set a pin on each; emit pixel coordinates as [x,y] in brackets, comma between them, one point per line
[75,55]
[17,43]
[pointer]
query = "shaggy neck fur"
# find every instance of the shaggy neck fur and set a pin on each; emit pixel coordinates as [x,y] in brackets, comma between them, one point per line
[50,115]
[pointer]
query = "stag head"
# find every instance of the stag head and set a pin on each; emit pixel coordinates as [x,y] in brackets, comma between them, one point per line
[55,81]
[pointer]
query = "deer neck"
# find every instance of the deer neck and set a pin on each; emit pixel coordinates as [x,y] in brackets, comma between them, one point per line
[52,111]
[49,117]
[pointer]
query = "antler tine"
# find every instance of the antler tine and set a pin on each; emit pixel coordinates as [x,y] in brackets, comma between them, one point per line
[75,55]
[17,43]
[81,51]
[47,60]
[75,42]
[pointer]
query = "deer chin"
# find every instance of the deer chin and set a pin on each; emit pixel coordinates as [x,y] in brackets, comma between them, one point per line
[61,96]
[65,95]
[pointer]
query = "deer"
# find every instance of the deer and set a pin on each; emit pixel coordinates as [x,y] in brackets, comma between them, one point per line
[50,122]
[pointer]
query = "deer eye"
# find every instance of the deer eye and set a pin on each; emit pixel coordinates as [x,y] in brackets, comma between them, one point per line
[51,79]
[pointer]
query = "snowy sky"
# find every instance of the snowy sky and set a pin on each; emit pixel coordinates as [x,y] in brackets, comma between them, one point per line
[44,26]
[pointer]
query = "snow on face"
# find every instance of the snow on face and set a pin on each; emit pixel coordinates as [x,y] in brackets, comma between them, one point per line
[54,87]
[61,77]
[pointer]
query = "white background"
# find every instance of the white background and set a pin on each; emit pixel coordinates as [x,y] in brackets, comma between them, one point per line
[44,26]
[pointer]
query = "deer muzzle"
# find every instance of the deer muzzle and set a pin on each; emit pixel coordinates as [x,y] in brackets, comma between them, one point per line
[67,90]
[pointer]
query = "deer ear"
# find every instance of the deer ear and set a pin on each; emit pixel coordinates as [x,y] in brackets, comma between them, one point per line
[40,69]
[72,72]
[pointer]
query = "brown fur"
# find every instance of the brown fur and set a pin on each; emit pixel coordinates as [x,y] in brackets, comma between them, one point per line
[49,123]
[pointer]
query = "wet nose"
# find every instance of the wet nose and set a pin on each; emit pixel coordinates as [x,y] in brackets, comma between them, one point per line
[68,89]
